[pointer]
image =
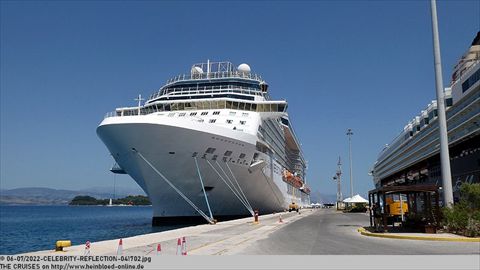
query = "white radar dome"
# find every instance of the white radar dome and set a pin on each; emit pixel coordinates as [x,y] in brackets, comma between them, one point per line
[197,70]
[243,68]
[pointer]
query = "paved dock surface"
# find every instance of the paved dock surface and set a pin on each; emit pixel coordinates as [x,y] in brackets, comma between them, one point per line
[327,232]
[318,231]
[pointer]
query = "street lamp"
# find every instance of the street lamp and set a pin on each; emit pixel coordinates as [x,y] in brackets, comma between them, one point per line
[442,121]
[349,134]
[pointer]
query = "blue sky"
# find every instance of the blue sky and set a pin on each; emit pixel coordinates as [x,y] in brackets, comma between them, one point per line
[365,65]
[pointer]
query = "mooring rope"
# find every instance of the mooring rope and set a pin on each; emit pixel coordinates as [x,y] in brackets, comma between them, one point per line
[174,188]
[229,187]
[203,188]
[233,185]
[234,178]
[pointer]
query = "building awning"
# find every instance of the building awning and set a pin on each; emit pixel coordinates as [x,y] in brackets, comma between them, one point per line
[405,188]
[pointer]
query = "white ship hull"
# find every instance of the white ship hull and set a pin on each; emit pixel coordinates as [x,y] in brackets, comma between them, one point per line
[169,143]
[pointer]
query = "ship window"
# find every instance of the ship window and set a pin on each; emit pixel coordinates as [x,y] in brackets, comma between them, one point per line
[242,155]
[232,113]
[245,114]
[243,122]
[178,107]
[274,108]
[229,121]
[260,107]
[210,150]
[228,153]
[181,114]
[171,114]
[216,113]
[221,104]
[448,102]
[474,78]
[190,106]
[212,120]
[204,113]
[193,114]
[214,157]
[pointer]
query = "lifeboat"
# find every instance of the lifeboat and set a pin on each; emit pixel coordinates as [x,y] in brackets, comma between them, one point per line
[292,179]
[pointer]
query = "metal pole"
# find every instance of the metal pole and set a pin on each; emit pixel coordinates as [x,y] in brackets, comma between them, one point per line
[401,206]
[339,178]
[442,122]
[349,134]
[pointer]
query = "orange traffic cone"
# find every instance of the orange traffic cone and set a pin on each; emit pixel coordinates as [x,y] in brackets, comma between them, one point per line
[184,246]
[159,249]
[120,247]
[179,246]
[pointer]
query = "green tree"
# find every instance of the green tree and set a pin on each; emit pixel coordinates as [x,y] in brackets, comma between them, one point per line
[464,217]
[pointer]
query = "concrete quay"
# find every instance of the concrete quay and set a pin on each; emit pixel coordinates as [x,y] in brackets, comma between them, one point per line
[228,237]
[312,232]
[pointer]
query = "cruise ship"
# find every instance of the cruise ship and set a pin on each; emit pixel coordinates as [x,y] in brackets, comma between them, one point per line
[209,145]
[413,156]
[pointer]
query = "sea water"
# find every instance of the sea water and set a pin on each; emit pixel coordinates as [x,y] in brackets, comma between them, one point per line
[31,228]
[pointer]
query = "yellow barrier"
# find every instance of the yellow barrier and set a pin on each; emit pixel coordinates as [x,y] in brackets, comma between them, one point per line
[60,244]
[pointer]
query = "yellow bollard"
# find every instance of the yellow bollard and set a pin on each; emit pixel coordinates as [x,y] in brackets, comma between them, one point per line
[60,244]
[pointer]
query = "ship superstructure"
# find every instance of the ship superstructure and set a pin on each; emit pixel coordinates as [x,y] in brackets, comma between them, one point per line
[211,143]
[413,156]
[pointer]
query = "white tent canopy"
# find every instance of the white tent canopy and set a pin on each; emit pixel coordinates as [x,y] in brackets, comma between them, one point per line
[355,199]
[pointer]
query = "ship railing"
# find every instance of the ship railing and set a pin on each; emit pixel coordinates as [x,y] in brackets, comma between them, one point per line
[215,75]
[271,108]
[110,114]
[473,63]
[206,90]
[125,112]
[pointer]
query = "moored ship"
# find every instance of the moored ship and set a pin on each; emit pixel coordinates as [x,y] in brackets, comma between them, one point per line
[413,156]
[211,144]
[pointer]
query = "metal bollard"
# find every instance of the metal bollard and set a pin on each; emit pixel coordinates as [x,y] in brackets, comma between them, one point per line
[255,216]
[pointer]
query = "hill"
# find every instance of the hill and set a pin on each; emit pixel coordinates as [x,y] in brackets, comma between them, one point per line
[50,196]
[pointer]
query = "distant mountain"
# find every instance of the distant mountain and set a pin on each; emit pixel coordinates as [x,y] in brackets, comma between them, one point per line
[317,197]
[50,196]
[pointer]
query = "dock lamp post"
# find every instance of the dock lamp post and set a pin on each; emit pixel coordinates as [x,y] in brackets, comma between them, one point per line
[442,122]
[349,134]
